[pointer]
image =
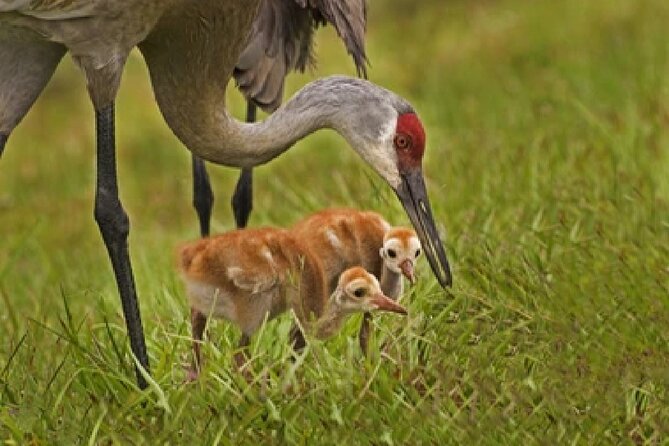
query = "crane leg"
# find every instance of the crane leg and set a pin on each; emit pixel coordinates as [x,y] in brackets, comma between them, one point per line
[297,339]
[114,227]
[365,330]
[242,199]
[203,197]
[3,141]
[198,323]
[241,357]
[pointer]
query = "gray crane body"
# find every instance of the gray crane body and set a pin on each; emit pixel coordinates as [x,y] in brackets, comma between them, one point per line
[100,34]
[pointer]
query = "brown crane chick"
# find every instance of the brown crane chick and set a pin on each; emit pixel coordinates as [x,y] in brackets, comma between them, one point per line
[252,275]
[347,237]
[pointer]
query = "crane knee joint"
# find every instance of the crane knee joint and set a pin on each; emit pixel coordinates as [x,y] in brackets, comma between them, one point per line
[112,220]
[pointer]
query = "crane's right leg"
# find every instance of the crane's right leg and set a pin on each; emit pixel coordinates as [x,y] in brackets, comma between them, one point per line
[103,81]
[198,322]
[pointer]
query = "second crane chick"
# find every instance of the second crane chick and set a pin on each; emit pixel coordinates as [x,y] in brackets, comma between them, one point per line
[252,275]
[348,237]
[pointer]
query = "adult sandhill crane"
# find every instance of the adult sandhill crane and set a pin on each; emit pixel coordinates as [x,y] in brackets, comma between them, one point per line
[191,48]
[248,276]
[347,237]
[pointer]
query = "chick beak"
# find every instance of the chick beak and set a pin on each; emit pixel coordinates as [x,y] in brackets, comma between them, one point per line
[384,303]
[407,269]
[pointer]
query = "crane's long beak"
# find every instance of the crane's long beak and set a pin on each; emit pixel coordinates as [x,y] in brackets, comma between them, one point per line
[413,195]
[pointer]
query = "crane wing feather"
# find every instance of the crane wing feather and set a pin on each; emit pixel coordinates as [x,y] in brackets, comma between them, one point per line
[349,18]
[281,40]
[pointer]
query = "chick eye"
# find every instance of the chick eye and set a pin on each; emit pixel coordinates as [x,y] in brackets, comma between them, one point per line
[402,141]
[417,252]
[392,254]
[359,292]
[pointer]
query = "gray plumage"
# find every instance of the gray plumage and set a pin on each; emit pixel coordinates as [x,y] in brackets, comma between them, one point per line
[191,49]
[281,40]
[210,35]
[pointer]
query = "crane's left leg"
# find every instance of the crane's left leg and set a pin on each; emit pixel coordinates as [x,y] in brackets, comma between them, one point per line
[115,227]
[241,356]
[242,199]
[297,340]
[203,197]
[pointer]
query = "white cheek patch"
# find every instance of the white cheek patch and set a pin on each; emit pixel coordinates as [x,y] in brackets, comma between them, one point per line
[375,283]
[355,284]
[394,244]
[414,245]
[386,157]
[400,249]
[381,154]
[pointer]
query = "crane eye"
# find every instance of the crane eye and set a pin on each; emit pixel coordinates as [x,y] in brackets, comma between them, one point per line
[359,292]
[392,254]
[402,141]
[417,252]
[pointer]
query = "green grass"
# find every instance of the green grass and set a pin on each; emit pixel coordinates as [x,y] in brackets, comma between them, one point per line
[548,169]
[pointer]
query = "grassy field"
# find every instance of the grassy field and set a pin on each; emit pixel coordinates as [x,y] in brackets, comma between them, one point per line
[548,169]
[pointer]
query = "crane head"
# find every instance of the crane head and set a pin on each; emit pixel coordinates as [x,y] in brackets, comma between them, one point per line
[409,146]
[395,150]
[400,250]
[359,291]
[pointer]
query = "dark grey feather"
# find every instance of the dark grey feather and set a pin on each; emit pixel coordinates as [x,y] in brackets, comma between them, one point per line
[281,40]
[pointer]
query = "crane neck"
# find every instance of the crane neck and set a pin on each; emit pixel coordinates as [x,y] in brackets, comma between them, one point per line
[240,144]
[203,124]
[391,283]
[330,322]
[191,54]
[192,101]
